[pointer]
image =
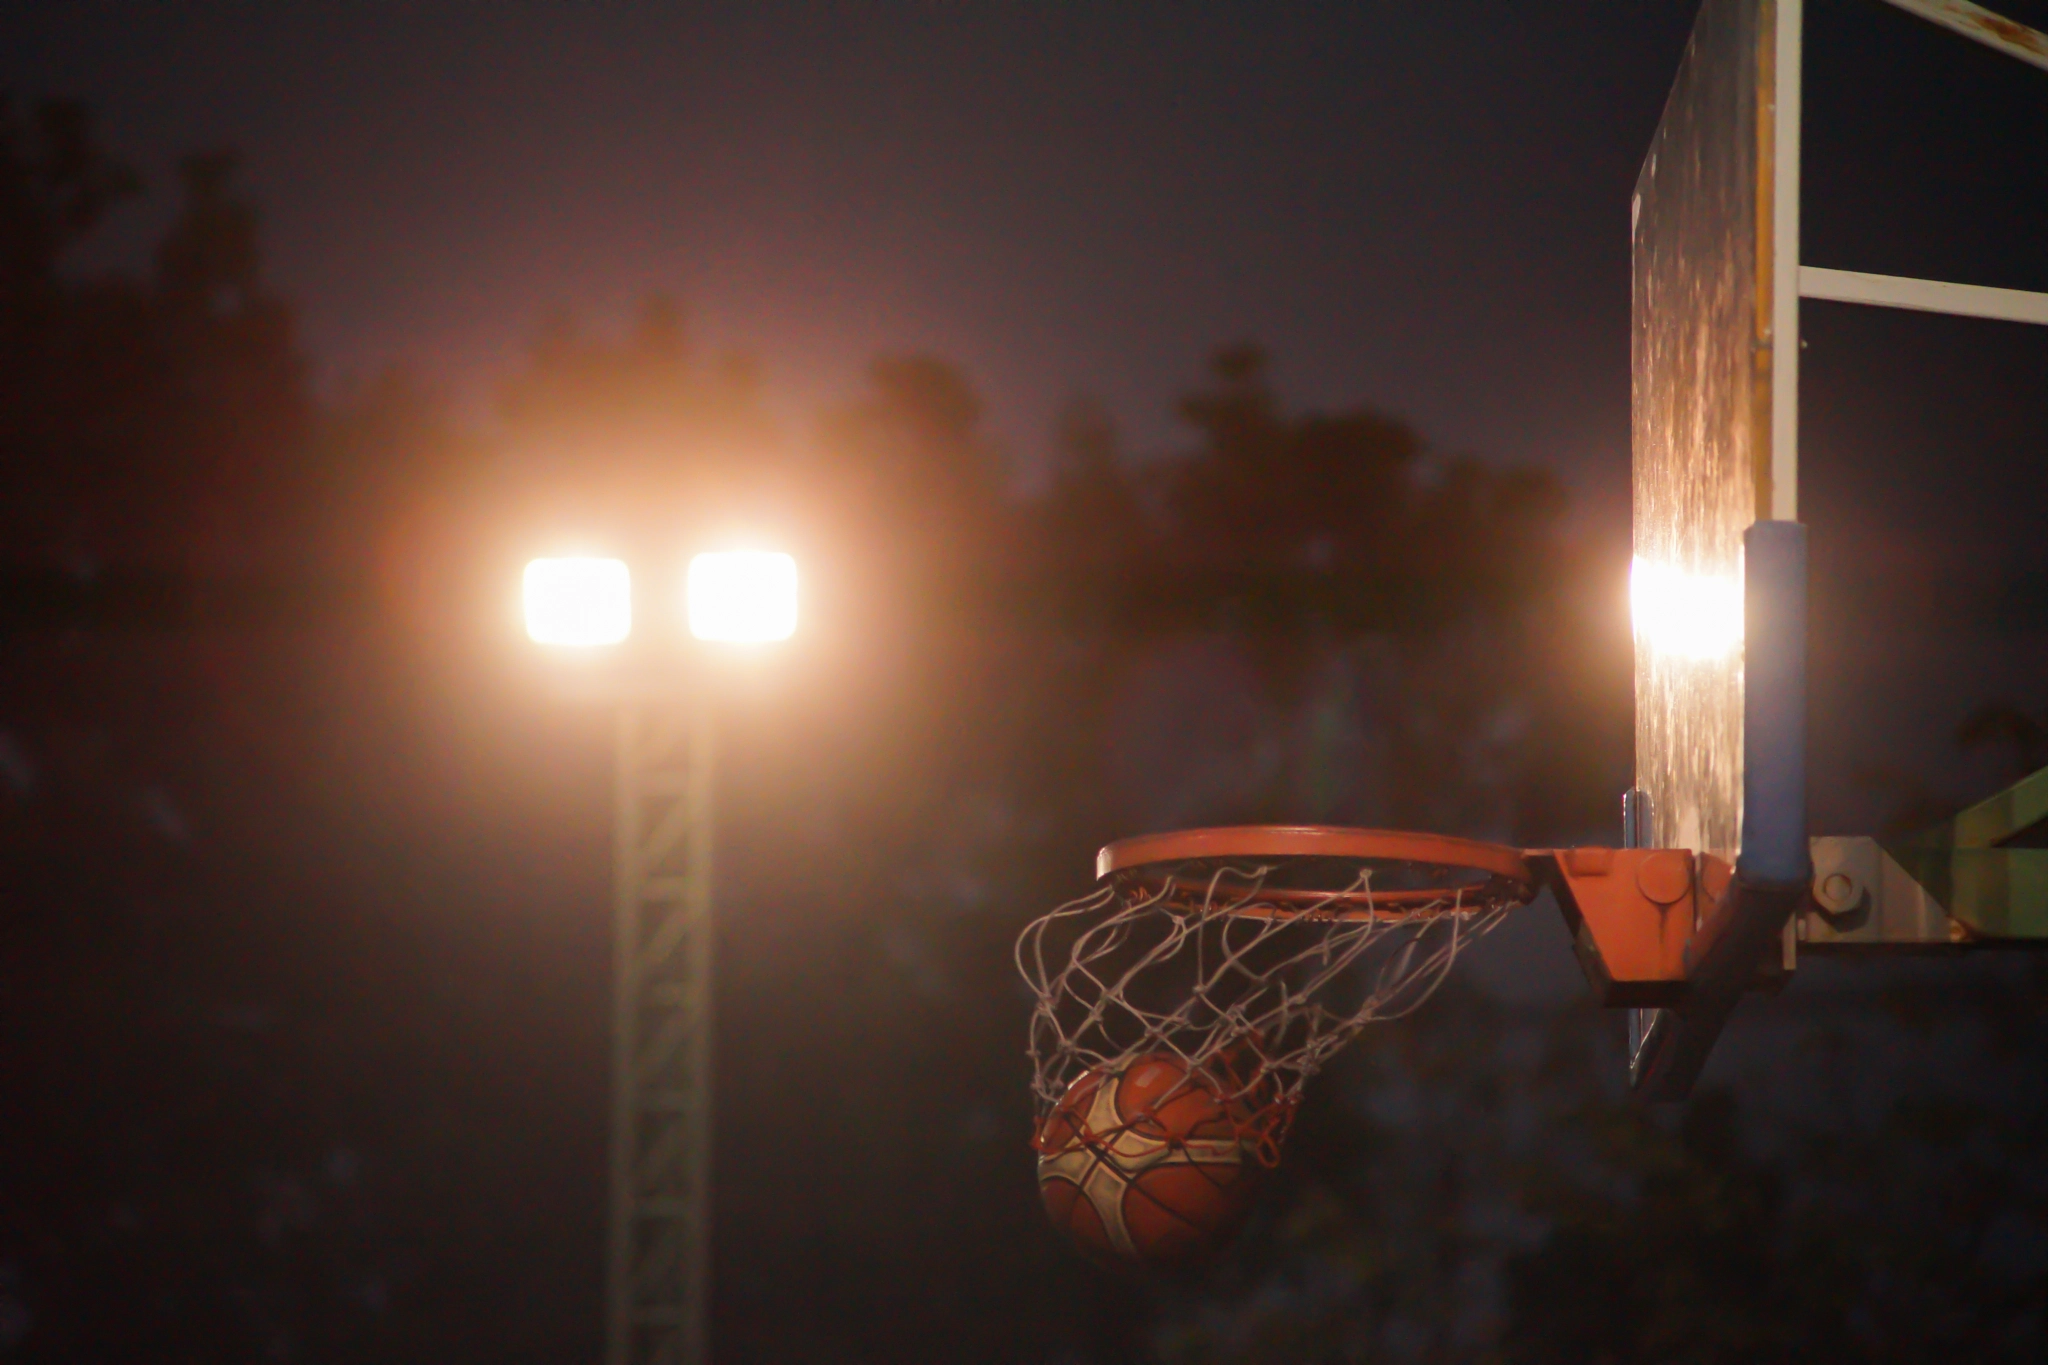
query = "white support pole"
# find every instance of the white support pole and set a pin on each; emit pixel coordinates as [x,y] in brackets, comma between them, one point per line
[1786,67]
[1925,296]
[1981,25]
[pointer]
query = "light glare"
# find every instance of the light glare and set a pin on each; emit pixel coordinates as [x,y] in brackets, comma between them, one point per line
[1692,616]
[743,596]
[578,602]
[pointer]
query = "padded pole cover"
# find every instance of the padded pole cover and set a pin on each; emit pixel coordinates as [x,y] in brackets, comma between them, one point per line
[1774,851]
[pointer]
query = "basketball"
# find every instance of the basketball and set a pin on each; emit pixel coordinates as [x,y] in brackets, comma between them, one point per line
[1153,1164]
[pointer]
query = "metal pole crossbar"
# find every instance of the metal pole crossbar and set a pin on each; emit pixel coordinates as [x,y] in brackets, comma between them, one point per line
[1924,296]
[1981,25]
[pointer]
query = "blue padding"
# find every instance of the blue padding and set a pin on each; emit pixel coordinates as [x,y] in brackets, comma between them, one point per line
[1774,844]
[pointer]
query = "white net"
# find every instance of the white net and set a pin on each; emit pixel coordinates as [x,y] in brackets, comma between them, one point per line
[1250,984]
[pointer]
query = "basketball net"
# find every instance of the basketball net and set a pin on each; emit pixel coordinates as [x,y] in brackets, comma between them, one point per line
[1252,992]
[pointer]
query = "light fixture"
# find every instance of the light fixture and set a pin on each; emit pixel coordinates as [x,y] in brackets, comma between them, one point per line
[742,596]
[578,602]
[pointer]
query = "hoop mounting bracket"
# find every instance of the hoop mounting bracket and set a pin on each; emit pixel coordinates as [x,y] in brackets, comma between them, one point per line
[1636,916]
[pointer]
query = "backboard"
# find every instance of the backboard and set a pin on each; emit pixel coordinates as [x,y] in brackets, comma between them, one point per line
[1714,250]
[1720,645]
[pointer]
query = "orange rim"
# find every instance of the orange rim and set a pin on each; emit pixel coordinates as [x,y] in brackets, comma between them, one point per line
[1150,860]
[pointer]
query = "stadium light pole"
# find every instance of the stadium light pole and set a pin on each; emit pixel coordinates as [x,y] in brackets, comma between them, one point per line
[657,1282]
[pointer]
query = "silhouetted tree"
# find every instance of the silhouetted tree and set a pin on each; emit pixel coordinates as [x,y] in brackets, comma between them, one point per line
[142,422]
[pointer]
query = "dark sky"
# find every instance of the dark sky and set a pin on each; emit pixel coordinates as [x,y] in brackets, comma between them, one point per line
[1419,206]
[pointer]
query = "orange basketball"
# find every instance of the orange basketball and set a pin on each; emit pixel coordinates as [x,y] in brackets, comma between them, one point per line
[1152,1164]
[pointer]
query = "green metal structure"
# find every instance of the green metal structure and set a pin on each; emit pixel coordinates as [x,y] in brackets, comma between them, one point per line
[1978,879]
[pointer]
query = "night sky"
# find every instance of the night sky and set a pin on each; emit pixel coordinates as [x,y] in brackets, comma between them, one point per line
[1420,208]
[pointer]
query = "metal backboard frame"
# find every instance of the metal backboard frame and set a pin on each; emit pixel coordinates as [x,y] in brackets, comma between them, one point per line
[1717,280]
[1714,227]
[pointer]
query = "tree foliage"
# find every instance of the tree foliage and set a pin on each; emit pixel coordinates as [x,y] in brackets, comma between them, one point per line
[153,421]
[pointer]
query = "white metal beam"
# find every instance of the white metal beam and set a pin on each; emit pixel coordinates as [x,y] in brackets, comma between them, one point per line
[1981,25]
[1925,296]
[1787,83]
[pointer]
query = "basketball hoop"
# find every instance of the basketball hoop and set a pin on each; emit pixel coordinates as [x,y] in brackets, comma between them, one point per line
[1326,870]
[1250,955]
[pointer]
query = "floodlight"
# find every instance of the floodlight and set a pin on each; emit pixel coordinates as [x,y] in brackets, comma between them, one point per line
[743,596]
[1692,616]
[578,602]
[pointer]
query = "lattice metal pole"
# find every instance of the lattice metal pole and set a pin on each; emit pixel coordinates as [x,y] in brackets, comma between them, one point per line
[659,1273]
